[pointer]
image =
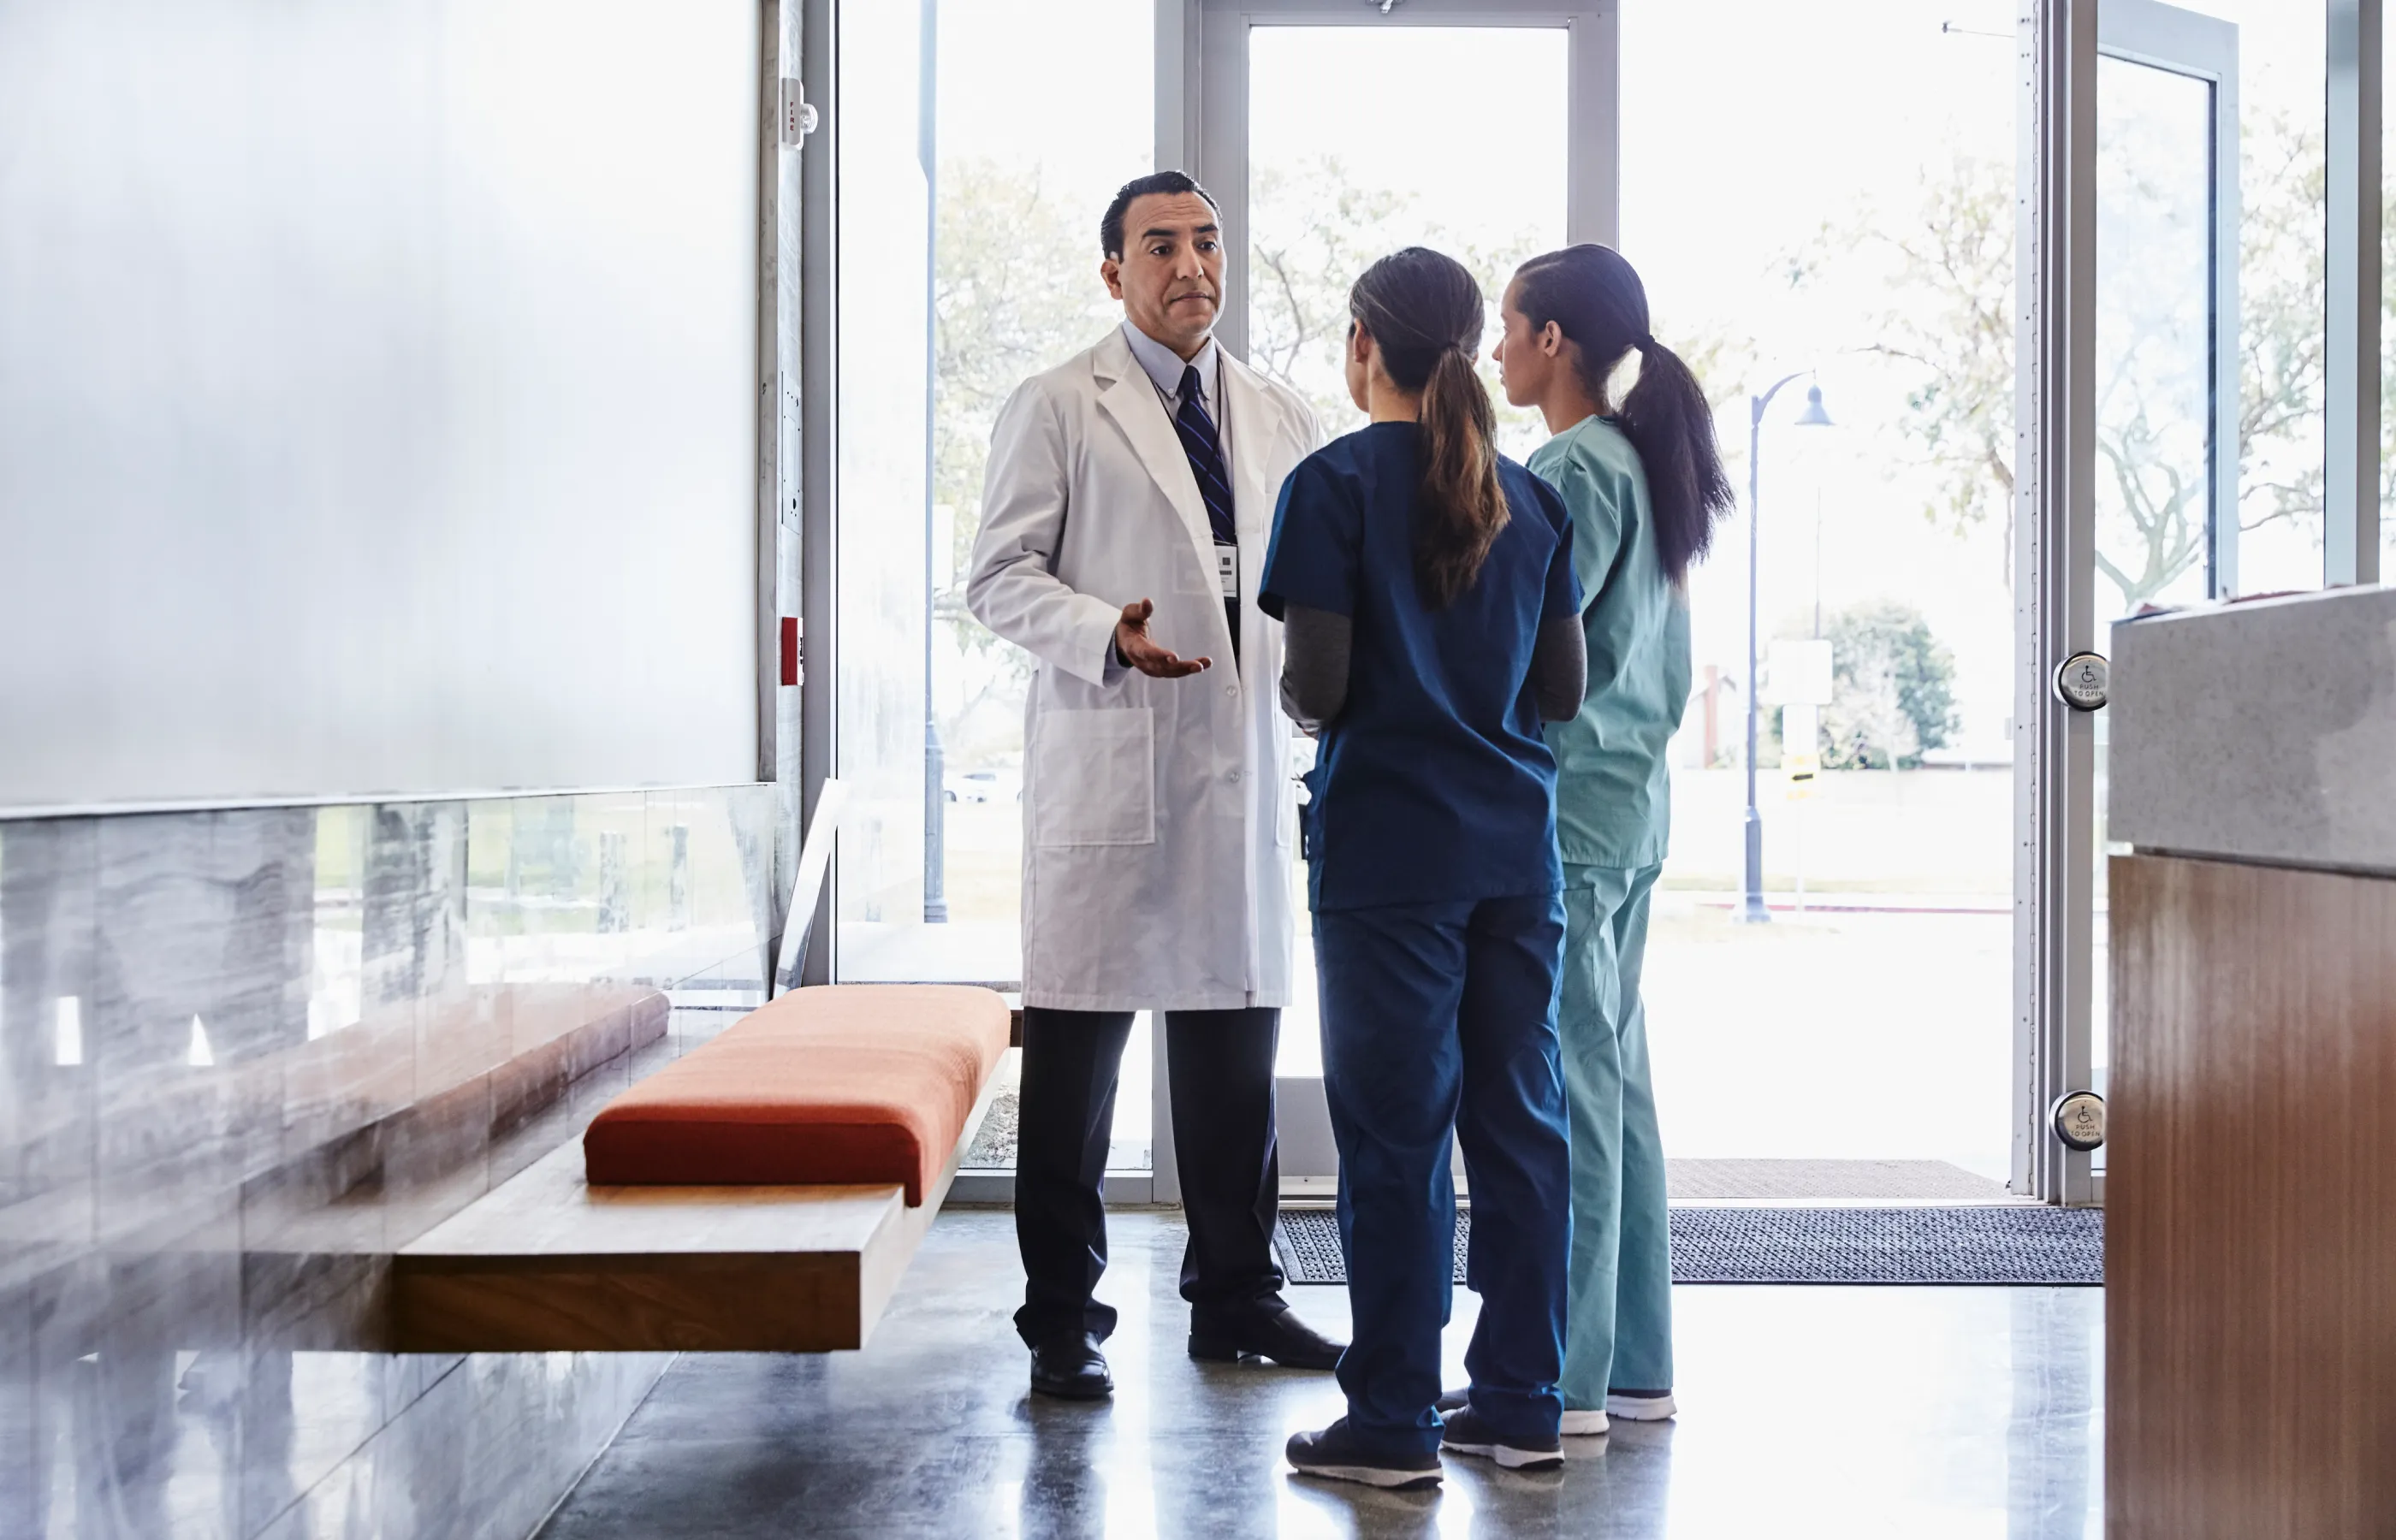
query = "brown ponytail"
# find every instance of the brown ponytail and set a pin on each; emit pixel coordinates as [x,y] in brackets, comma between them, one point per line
[1424,314]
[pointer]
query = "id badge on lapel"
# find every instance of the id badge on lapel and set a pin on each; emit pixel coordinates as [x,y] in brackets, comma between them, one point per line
[1226,571]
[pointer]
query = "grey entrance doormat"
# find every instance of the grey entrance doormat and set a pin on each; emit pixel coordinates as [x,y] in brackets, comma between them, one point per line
[1974,1244]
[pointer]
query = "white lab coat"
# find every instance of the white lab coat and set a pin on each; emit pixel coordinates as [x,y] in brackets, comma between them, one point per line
[1158,814]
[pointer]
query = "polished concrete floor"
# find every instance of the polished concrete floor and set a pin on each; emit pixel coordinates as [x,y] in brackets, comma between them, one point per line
[1946,1412]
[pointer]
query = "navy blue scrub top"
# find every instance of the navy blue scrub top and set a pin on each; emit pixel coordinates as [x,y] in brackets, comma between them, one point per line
[1435,783]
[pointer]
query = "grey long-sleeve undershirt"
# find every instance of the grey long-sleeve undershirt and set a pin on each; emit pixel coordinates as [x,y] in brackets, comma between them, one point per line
[1316,648]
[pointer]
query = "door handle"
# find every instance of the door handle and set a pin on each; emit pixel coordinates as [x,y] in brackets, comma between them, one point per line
[2082,680]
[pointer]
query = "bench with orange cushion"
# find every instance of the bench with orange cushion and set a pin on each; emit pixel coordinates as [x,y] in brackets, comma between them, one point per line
[866,1083]
[764,1192]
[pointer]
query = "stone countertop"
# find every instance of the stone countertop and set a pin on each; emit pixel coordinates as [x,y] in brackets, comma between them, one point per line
[2263,731]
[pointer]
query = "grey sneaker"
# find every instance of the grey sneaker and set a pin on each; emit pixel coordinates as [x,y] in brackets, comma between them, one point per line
[1577,1423]
[1337,1455]
[1467,1434]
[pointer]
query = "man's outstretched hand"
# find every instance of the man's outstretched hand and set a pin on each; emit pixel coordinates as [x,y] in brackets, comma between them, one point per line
[1133,647]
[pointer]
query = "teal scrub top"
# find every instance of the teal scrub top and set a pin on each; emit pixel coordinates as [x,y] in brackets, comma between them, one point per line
[1614,790]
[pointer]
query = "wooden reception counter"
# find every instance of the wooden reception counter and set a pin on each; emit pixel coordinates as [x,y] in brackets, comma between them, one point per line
[2251,1184]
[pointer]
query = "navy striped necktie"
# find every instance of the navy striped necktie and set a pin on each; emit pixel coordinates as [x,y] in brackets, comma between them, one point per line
[1205,447]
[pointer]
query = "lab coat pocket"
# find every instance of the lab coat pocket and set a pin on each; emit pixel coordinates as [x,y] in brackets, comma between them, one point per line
[1094,777]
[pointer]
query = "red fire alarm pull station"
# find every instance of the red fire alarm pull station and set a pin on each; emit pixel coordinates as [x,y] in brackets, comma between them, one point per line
[790,649]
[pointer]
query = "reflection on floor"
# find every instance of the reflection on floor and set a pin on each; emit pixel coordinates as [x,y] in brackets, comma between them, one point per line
[1848,1412]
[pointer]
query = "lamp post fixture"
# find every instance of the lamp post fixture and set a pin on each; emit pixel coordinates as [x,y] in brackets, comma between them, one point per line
[1750,909]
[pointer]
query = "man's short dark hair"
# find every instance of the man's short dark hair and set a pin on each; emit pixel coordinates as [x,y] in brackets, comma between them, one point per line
[1111,229]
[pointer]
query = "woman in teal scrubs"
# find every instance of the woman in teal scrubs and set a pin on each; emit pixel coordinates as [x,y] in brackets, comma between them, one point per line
[1431,621]
[1645,484]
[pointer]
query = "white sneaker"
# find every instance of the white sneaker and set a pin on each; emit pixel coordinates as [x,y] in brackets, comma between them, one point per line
[1582,1425]
[1656,1408]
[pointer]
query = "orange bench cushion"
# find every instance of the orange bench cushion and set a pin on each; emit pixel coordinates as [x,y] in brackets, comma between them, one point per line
[835,1084]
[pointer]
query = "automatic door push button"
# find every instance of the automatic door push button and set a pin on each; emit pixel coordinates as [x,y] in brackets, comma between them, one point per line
[2079,1118]
[2080,683]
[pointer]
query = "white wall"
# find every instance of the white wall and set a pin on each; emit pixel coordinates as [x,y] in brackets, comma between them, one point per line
[377,407]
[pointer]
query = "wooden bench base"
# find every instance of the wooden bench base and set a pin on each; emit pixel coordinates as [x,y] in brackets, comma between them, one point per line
[548,1264]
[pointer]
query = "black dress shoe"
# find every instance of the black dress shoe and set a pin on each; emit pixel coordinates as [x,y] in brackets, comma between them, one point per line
[1270,1330]
[1071,1368]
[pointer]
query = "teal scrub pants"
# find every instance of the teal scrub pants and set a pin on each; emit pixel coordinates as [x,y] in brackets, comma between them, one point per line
[1618,1310]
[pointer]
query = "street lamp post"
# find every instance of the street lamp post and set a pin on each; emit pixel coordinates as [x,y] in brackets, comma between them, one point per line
[1750,909]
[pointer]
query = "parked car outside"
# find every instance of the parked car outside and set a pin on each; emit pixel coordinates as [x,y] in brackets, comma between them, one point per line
[985,786]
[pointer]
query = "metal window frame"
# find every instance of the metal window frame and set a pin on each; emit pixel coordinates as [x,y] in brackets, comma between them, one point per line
[1203,111]
[2054,564]
[2351,522]
[778,478]
[819,352]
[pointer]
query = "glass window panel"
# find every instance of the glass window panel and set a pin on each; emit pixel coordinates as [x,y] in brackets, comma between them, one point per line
[1844,206]
[980,141]
[882,395]
[969,262]
[2154,340]
[1326,201]
[2282,323]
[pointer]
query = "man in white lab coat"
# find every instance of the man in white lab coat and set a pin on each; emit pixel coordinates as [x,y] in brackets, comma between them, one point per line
[1128,503]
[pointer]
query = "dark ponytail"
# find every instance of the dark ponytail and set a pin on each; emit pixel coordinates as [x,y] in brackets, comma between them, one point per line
[1596,300]
[1424,314]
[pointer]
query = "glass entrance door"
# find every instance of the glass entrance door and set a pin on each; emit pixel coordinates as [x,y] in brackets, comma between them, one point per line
[1332,136]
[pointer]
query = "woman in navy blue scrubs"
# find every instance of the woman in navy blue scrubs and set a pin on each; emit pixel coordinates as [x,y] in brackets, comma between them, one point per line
[1432,622]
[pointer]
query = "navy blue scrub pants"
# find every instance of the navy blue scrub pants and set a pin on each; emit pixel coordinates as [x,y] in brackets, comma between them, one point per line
[1440,1017]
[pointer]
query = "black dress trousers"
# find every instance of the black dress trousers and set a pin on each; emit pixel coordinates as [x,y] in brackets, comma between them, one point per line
[1221,1067]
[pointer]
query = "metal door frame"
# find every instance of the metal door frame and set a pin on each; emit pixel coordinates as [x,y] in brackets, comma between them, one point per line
[2055,527]
[1202,101]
